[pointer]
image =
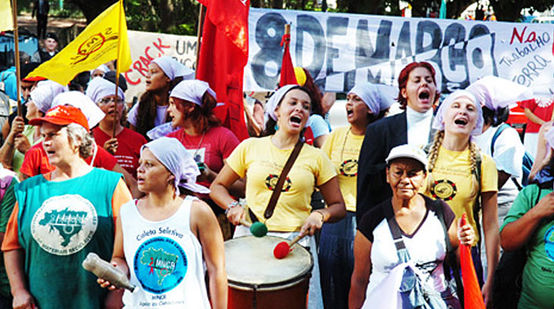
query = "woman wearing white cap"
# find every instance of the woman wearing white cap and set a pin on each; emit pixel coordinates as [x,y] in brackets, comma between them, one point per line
[191,105]
[465,178]
[151,110]
[261,161]
[365,104]
[165,227]
[23,136]
[406,228]
[126,144]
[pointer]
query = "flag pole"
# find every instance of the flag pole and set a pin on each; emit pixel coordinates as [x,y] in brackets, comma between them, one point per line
[117,68]
[16,56]
[201,14]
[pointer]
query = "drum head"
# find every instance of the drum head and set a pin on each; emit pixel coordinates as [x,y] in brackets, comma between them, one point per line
[250,263]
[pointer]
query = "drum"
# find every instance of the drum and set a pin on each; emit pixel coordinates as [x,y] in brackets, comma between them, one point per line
[258,280]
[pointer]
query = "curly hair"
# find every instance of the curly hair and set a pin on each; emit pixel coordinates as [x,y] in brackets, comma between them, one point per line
[79,135]
[405,74]
[203,115]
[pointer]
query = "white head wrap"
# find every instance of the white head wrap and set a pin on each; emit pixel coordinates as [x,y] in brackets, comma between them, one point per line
[161,130]
[274,100]
[173,68]
[438,121]
[104,68]
[77,99]
[374,96]
[44,94]
[100,88]
[549,136]
[495,92]
[173,155]
[192,91]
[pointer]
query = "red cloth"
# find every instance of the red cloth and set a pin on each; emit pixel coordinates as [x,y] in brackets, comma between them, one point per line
[223,55]
[128,148]
[36,161]
[287,69]
[217,145]
[473,299]
[542,109]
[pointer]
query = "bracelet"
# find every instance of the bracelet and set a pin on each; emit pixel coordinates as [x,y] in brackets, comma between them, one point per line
[231,205]
[322,216]
[9,144]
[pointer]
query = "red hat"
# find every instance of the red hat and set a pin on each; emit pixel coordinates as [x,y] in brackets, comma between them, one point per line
[62,115]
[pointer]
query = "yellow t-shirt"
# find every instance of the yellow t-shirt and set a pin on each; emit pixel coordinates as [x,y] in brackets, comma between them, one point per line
[261,162]
[343,148]
[453,182]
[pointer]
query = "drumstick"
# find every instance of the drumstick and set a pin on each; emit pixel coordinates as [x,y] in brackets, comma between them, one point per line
[283,248]
[257,228]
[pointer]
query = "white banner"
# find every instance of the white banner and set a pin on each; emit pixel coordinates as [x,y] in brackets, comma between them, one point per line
[340,50]
[146,46]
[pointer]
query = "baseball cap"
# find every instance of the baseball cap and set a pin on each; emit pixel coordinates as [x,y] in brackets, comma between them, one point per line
[408,151]
[62,115]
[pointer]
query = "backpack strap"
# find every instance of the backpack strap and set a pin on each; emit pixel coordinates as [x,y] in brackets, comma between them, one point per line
[401,250]
[499,130]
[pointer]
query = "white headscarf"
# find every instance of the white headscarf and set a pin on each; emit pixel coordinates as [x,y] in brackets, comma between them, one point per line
[99,88]
[192,90]
[104,68]
[495,92]
[438,121]
[77,99]
[374,96]
[173,68]
[44,93]
[274,100]
[173,155]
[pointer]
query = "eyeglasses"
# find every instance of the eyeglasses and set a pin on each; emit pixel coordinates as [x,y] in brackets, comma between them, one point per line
[109,100]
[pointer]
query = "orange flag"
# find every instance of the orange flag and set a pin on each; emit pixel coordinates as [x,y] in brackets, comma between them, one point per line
[473,299]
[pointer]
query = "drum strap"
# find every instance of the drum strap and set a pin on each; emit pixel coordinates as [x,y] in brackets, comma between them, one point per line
[277,190]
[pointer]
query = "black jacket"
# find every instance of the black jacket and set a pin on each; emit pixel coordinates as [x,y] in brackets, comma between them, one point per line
[380,137]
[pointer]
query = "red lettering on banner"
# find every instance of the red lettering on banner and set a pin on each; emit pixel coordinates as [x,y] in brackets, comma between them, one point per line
[532,37]
[147,54]
[129,80]
[159,46]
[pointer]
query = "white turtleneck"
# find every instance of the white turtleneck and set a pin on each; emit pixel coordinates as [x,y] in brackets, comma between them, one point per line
[419,126]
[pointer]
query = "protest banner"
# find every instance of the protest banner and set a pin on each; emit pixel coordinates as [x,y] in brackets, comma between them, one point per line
[342,49]
[146,46]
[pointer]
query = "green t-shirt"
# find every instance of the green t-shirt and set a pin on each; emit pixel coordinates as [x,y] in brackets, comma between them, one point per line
[6,207]
[538,275]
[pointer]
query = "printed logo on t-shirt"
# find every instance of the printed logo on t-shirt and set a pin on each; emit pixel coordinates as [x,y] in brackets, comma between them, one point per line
[271,183]
[160,264]
[199,155]
[549,243]
[349,168]
[443,189]
[65,224]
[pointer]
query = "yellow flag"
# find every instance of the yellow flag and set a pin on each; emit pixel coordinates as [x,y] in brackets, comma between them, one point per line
[6,17]
[96,45]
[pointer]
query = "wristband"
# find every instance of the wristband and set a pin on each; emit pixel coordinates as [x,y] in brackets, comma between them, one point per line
[322,216]
[233,204]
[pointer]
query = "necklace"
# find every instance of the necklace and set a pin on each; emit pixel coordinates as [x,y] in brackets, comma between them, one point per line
[344,144]
[195,155]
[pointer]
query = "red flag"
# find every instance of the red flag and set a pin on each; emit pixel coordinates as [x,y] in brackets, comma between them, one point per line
[473,299]
[287,69]
[223,55]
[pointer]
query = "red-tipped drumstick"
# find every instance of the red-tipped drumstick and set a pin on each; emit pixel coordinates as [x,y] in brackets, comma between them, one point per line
[283,248]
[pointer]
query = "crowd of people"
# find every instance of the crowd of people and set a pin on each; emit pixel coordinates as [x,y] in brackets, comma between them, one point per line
[158,187]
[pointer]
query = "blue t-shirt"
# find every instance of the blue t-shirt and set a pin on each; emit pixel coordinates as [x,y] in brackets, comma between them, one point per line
[318,125]
[10,82]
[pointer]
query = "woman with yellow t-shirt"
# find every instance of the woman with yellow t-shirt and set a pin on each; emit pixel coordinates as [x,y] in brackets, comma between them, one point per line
[454,175]
[366,103]
[261,160]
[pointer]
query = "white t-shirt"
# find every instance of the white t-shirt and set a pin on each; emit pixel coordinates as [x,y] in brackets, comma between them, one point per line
[161,114]
[508,156]
[426,246]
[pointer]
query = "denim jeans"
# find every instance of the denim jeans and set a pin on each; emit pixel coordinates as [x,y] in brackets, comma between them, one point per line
[336,259]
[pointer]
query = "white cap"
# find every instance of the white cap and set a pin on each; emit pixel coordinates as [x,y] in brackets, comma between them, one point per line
[408,151]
